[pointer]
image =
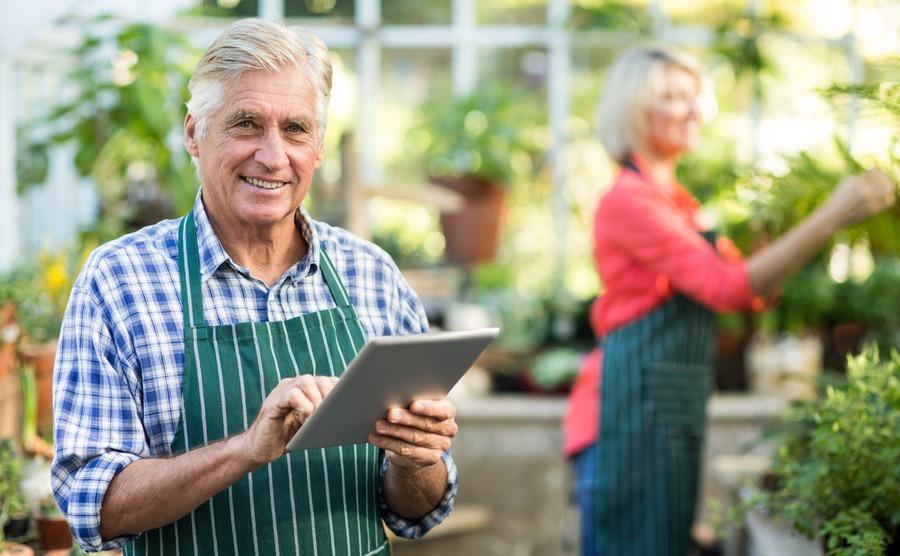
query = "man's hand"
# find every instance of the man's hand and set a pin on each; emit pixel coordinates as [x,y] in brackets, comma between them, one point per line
[414,440]
[416,437]
[287,407]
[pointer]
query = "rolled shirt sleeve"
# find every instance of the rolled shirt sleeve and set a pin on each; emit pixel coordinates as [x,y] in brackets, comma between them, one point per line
[416,529]
[98,430]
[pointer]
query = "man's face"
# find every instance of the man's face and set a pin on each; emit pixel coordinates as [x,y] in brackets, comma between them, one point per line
[258,157]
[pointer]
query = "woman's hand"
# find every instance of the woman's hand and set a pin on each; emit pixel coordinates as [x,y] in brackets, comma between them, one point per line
[855,199]
[859,197]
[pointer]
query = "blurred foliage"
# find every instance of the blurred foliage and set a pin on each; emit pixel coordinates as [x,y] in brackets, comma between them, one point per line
[737,39]
[495,132]
[32,161]
[39,287]
[125,122]
[294,8]
[12,498]
[407,231]
[622,16]
[834,475]
[555,368]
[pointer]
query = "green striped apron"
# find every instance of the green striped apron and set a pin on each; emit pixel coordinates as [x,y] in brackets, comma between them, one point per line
[657,377]
[319,502]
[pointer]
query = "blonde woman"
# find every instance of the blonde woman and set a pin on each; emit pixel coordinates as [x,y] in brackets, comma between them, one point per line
[637,456]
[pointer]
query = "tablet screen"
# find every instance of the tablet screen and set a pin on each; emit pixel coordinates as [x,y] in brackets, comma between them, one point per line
[390,371]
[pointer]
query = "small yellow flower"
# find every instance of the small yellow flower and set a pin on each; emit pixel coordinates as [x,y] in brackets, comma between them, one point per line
[56,278]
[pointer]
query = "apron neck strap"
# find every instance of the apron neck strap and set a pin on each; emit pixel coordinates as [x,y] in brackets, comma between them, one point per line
[338,291]
[189,269]
[630,164]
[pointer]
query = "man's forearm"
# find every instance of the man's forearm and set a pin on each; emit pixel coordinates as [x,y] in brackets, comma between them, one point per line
[413,493]
[150,493]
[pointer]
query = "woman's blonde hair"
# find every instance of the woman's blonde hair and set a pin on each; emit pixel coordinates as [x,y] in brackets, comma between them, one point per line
[257,44]
[630,84]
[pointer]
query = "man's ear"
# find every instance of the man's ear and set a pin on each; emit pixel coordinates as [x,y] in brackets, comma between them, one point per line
[190,135]
[320,155]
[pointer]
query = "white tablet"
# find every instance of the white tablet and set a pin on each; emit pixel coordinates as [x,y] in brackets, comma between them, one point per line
[390,371]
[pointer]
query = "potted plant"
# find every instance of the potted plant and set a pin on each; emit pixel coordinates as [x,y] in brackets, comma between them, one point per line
[11,497]
[52,527]
[478,145]
[835,475]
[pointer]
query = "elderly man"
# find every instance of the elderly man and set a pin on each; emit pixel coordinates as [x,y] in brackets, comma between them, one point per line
[193,349]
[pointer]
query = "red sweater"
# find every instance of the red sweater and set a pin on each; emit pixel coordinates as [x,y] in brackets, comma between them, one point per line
[646,247]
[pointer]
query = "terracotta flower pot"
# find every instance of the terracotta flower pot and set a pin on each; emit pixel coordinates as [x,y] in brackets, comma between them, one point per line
[54,532]
[472,234]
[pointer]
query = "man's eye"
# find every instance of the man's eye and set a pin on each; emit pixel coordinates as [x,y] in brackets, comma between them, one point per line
[246,124]
[295,128]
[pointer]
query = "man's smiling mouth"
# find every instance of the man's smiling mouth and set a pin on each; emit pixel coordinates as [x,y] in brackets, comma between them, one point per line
[265,184]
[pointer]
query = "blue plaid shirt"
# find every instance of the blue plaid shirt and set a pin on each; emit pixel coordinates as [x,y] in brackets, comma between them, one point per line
[117,389]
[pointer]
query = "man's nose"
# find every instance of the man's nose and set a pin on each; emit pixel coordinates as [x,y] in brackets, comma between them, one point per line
[271,151]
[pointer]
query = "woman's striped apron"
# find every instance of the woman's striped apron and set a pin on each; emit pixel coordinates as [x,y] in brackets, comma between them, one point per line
[657,377]
[321,502]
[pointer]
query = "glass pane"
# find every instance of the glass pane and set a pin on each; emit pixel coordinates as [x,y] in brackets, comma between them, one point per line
[229,8]
[633,16]
[432,12]
[335,10]
[526,67]
[588,66]
[328,196]
[704,12]
[512,12]
[410,78]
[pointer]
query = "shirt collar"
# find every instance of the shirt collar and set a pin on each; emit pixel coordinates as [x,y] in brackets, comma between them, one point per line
[673,190]
[213,255]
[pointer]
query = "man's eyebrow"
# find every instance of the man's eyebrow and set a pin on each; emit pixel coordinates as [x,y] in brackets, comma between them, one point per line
[304,123]
[241,116]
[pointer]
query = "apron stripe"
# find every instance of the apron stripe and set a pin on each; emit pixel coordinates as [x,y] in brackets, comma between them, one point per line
[327,486]
[344,493]
[310,349]
[290,473]
[312,508]
[262,364]
[325,343]
[225,432]
[287,339]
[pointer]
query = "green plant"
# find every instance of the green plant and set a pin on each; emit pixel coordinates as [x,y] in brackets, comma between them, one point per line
[835,475]
[40,289]
[124,122]
[493,132]
[806,303]
[12,498]
[555,368]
